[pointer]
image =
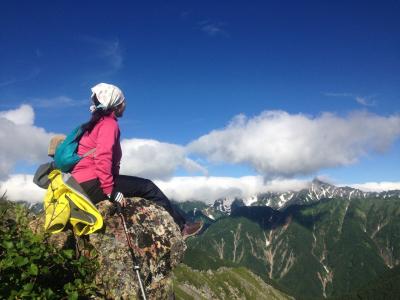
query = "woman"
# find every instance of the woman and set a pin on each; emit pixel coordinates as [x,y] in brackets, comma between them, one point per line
[98,173]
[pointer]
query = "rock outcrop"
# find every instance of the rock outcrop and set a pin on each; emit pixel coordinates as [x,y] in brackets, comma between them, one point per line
[158,245]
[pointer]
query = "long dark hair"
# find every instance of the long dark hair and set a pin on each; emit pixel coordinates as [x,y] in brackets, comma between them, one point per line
[96,116]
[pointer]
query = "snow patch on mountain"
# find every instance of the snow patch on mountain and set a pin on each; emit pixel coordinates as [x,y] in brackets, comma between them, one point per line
[250,200]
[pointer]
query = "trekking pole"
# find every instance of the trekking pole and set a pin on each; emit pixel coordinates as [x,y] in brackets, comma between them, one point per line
[136,266]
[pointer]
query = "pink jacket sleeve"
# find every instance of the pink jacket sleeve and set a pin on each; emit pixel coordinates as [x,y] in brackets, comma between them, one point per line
[106,139]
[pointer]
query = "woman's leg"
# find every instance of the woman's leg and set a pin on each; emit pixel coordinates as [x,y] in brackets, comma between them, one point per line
[93,190]
[132,186]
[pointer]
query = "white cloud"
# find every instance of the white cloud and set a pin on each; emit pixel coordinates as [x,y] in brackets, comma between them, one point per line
[58,102]
[377,186]
[213,28]
[114,54]
[364,101]
[278,144]
[109,51]
[20,140]
[155,160]
[21,187]
[208,189]
[275,143]
[26,76]
[24,115]
[329,94]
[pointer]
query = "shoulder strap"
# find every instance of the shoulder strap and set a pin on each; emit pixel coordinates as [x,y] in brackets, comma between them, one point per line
[79,136]
[89,152]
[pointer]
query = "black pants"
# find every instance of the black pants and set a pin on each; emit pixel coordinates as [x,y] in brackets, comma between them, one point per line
[132,186]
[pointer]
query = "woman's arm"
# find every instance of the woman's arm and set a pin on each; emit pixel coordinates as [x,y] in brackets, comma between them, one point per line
[107,137]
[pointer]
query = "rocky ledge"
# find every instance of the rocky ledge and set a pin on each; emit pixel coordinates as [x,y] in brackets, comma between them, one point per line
[157,242]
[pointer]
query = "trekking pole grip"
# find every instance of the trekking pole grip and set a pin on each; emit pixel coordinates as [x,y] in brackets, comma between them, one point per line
[119,208]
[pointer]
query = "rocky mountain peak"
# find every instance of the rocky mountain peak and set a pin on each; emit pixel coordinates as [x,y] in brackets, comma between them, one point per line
[158,247]
[316,191]
[224,204]
[317,183]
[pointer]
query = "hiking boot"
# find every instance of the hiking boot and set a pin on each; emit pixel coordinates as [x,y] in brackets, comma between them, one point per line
[191,229]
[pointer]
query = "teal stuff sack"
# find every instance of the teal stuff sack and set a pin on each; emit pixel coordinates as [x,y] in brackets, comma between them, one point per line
[66,156]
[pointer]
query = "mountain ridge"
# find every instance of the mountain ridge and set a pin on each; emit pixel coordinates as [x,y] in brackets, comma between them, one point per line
[316,191]
[318,250]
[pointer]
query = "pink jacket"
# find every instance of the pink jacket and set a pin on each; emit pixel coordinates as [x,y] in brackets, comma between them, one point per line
[105,161]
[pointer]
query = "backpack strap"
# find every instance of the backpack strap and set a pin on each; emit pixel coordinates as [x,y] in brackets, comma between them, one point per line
[89,152]
[78,137]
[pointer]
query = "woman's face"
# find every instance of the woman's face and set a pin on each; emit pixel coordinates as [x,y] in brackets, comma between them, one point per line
[119,111]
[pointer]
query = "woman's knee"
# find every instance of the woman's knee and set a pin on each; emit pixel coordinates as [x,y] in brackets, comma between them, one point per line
[153,190]
[148,183]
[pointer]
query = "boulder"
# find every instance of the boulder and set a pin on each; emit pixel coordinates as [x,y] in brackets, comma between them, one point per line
[158,244]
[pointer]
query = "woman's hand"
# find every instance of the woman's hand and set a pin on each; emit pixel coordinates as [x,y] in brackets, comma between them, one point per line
[119,198]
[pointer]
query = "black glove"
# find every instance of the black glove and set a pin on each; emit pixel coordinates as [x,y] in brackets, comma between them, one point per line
[116,197]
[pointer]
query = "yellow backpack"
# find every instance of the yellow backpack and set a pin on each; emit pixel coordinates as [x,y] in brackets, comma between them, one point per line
[65,201]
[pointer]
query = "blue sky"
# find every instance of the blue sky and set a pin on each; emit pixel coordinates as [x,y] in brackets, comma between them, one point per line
[188,68]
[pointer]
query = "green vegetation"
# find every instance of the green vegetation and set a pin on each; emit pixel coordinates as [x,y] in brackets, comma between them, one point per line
[190,206]
[327,249]
[215,248]
[192,210]
[31,268]
[224,283]
[386,286]
[230,242]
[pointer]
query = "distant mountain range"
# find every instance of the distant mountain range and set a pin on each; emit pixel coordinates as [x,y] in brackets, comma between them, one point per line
[316,191]
[320,242]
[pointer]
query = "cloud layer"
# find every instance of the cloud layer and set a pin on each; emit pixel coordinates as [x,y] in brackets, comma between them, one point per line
[21,187]
[275,144]
[377,186]
[20,140]
[156,160]
[202,188]
[278,144]
[208,189]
